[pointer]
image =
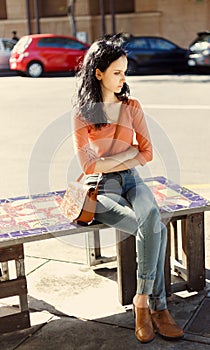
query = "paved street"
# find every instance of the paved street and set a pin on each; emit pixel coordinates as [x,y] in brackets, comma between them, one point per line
[36,155]
[180,106]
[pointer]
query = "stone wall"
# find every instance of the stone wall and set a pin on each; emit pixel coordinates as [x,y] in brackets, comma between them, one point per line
[16,9]
[182,19]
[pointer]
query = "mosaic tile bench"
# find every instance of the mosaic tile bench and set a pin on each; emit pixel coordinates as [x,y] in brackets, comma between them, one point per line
[27,219]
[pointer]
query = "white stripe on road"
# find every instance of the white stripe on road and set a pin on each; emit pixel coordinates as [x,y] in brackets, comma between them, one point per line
[197,186]
[199,107]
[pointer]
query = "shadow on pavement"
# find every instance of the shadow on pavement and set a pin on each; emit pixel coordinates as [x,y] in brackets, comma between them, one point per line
[113,332]
[9,73]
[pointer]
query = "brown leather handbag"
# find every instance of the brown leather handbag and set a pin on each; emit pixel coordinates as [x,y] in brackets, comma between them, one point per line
[79,201]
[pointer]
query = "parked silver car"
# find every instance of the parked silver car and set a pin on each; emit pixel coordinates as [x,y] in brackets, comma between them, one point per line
[199,52]
[6,46]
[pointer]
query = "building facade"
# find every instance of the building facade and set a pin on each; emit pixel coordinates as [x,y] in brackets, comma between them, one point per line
[177,20]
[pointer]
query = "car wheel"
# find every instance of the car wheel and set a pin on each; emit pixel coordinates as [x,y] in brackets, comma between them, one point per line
[35,70]
[132,68]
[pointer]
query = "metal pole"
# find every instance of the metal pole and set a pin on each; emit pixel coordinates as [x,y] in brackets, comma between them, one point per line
[103,24]
[112,11]
[71,14]
[36,12]
[28,17]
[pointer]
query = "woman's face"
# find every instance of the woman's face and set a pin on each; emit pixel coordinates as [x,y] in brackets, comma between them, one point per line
[113,78]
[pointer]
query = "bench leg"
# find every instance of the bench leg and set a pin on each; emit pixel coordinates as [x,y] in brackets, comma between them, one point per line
[93,249]
[193,258]
[193,247]
[175,239]
[167,270]
[4,271]
[16,286]
[20,269]
[126,270]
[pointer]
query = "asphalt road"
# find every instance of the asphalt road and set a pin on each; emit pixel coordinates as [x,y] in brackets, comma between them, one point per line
[35,124]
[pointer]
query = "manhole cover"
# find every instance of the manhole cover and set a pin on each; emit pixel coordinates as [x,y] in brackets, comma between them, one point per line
[200,324]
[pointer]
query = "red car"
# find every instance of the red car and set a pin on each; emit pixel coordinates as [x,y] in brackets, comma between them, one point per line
[38,53]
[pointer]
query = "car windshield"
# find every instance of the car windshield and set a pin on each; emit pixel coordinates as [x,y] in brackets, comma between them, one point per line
[204,37]
[159,44]
[137,43]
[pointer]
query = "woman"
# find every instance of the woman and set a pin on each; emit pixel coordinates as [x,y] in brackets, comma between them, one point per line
[105,122]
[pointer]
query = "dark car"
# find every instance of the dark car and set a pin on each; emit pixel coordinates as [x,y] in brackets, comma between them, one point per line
[152,54]
[199,52]
[38,53]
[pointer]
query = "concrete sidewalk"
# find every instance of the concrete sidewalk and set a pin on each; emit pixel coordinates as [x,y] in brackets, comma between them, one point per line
[73,306]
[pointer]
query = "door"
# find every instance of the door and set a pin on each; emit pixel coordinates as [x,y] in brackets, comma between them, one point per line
[166,55]
[5,51]
[75,52]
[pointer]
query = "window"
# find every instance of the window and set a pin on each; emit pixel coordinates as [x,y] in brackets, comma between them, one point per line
[3,9]
[137,43]
[8,44]
[159,44]
[71,44]
[52,8]
[119,6]
[51,42]
[64,43]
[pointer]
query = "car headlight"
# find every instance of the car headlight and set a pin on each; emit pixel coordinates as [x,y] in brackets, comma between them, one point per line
[191,63]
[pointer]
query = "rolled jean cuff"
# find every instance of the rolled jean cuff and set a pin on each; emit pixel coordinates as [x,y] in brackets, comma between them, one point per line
[158,304]
[144,286]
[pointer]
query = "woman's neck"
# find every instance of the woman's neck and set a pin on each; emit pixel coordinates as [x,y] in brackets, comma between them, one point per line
[112,111]
[109,98]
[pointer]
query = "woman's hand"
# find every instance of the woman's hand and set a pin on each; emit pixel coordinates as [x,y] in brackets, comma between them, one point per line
[130,153]
[108,164]
[130,163]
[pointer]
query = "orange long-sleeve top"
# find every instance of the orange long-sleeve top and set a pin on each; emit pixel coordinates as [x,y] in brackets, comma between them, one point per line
[92,144]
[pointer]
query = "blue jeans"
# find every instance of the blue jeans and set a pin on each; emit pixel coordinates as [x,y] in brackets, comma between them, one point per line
[125,202]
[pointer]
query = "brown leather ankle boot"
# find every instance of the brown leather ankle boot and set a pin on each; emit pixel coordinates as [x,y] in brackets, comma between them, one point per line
[165,325]
[144,329]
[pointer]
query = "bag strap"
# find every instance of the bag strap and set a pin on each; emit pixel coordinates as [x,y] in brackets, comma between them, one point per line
[80,177]
[116,133]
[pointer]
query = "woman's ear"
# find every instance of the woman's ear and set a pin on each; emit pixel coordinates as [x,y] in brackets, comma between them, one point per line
[98,74]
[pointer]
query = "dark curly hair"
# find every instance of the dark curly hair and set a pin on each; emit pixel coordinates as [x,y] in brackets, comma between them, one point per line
[89,98]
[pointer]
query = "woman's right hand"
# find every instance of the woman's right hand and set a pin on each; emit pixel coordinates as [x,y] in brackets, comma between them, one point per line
[108,164]
[132,152]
